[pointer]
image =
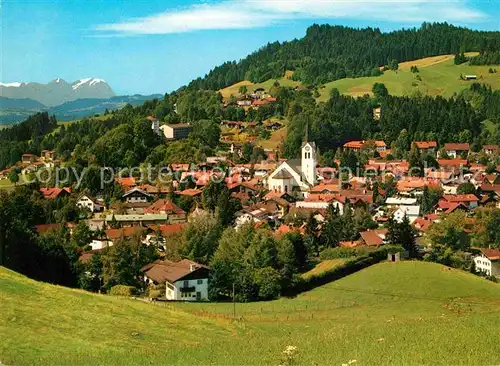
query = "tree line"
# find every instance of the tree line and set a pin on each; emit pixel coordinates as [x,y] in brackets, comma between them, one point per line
[328,53]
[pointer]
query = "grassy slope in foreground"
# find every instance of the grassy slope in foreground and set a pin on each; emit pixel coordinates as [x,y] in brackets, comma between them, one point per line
[404,313]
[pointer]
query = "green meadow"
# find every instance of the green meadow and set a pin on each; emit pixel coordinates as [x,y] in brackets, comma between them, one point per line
[440,77]
[399,313]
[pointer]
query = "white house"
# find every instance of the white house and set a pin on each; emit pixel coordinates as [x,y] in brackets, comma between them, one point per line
[488,262]
[155,125]
[412,212]
[295,173]
[184,280]
[398,201]
[136,195]
[89,203]
[315,201]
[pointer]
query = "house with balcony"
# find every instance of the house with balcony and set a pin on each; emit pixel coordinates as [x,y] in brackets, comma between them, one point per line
[455,150]
[90,203]
[137,195]
[488,262]
[184,280]
[426,146]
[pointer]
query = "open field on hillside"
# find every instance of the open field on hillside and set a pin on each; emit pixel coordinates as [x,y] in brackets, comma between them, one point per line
[439,76]
[430,61]
[234,89]
[401,313]
[324,266]
[8,185]
[97,118]
[277,137]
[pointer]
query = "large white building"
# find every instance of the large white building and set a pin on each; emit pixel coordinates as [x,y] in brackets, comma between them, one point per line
[184,280]
[295,174]
[411,212]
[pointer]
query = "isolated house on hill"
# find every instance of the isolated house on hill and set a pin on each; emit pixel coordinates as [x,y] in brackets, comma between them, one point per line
[176,132]
[185,280]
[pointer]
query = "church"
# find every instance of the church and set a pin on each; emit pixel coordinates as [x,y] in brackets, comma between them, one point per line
[295,174]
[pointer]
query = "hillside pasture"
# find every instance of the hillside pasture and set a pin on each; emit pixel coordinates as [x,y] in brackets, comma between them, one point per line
[234,89]
[438,77]
[401,313]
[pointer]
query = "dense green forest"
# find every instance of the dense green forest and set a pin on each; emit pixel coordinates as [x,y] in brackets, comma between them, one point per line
[328,53]
[486,58]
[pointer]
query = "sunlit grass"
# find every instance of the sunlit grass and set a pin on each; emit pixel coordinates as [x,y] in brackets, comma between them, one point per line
[403,313]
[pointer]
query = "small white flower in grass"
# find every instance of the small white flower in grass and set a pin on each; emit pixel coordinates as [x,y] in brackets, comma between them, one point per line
[290,350]
[349,362]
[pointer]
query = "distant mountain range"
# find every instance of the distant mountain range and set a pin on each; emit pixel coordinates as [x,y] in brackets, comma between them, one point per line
[67,101]
[16,110]
[57,91]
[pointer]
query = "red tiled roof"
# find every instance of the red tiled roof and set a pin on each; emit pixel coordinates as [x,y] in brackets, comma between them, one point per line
[349,244]
[457,146]
[86,256]
[371,237]
[126,181]
[331,186]
[421,224]
[164,206]
[52,193]
[490,187]
[190,192]
[284,229]
[449,207]
[490,147]
[425,144]
[170,229]
[274,194]
[41,229]
[354,144]
[126,232]
[452,162]
[432,217]
[161,271]
[318,197]
[460,197]
[492,254]
[260,102]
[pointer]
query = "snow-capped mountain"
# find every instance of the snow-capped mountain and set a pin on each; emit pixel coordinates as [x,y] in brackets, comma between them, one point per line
[57,91]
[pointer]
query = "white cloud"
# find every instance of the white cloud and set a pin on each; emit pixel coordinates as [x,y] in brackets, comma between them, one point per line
[242,14]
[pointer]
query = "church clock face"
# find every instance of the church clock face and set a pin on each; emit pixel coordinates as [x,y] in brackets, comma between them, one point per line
[307,148]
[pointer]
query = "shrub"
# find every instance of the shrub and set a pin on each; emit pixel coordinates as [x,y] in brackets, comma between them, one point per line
[349,267]
[342,252]
[121,290]
[268,280]
[155,294]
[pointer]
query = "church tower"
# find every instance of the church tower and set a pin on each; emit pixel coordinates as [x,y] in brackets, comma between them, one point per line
[308,162]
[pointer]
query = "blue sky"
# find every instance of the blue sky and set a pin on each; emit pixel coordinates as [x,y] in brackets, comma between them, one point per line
[146,47]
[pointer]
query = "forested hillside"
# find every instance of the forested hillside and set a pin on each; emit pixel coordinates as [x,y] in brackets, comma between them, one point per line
[328,53]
